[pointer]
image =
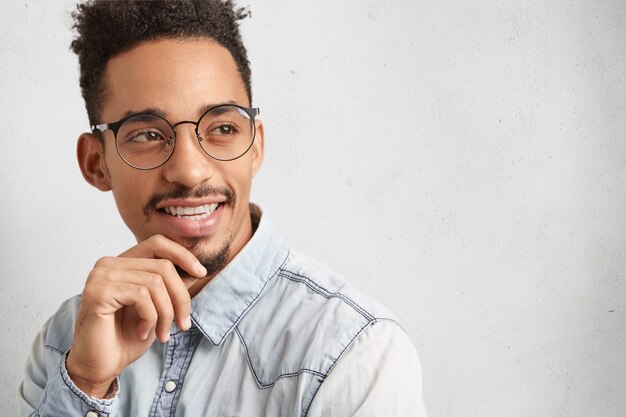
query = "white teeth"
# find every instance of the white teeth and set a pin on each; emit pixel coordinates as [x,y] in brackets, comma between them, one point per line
[191,213]
[200,217]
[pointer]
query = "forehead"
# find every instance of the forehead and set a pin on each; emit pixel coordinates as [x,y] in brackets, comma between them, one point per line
[180,76]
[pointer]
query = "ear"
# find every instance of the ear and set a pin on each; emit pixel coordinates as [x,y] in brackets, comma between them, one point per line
[258,147]
[90,153]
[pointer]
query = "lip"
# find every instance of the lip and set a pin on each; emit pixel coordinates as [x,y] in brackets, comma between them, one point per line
[190,202]
[173,226]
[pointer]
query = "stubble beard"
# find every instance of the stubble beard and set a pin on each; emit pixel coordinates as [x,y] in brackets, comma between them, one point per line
[214,261]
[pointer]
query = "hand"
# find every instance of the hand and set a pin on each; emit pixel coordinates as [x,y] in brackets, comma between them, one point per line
[128,301]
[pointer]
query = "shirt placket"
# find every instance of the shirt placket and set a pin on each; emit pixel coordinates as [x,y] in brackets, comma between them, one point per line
[180,349]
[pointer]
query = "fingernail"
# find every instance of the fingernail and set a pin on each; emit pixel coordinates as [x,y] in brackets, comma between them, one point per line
[187,323]
[200,268]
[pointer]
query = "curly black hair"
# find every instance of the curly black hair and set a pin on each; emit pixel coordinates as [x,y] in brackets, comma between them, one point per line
[107,28]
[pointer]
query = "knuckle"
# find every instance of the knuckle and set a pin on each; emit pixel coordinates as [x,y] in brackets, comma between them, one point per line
[105,261]
[154,280]
[157,239]
[142,291]
[165,264]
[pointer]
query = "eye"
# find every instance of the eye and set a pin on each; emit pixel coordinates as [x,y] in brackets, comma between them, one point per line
[224,130]
[145,136]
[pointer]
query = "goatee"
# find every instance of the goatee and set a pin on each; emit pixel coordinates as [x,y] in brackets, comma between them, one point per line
[213,261]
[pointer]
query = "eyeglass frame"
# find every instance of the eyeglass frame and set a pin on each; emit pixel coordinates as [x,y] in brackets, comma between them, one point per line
[114,127]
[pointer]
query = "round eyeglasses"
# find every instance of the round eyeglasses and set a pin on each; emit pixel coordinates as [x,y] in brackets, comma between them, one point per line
[146,140]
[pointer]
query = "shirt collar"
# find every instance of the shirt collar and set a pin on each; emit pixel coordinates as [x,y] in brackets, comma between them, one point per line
[219,306]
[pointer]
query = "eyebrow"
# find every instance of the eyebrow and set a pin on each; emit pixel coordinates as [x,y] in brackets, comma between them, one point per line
[158,111]
[208,106]
[151,110]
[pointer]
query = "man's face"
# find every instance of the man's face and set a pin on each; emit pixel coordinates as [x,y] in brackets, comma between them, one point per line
[180,78]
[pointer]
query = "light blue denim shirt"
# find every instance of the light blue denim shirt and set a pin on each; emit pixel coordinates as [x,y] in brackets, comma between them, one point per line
[274,334]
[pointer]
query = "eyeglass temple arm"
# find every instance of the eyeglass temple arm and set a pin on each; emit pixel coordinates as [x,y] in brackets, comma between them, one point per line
[100,128]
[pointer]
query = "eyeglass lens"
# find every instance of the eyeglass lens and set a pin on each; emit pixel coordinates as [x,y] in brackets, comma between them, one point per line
[146,141]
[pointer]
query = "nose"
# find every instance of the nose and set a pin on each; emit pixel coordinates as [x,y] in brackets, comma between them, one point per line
[189,165]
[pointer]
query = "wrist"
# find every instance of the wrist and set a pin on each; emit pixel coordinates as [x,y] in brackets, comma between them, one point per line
[95,389]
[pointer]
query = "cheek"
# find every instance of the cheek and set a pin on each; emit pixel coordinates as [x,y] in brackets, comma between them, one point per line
[130,199]
[241,175]
[128,203]
[131,193]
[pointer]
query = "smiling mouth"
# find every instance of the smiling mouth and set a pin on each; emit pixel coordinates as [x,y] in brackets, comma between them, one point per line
[191,213]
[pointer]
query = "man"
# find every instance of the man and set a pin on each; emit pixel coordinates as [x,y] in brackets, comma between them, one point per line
[210,313]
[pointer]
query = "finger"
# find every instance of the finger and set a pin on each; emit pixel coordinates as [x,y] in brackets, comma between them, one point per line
[127,294]
[165,274]
[160,247]
[155,284]
[179,299]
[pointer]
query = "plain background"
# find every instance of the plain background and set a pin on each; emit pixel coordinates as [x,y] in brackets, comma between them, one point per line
[463,162]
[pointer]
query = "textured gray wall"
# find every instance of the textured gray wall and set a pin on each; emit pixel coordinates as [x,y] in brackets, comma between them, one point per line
[464,162]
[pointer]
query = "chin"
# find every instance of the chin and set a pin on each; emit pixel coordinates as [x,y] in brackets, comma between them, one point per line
[214,260]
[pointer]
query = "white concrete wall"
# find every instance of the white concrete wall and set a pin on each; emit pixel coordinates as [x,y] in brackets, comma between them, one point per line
[462,161]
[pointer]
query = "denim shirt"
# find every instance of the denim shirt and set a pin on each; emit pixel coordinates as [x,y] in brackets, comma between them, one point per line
[275,333]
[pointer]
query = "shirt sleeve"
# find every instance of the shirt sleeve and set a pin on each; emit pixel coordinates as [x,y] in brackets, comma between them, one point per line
[48,391]
[379,375]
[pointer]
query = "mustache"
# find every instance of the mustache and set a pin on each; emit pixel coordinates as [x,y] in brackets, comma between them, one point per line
[184,192]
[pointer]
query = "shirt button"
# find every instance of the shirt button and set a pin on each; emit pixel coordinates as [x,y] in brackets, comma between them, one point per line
[170,386]
[92,413]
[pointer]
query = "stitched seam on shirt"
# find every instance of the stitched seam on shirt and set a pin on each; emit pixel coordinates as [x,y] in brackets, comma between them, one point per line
[397,323]
[54,349]
[281,376]
[324,292]
[248,307]
[192,330]
[334,363]
[180,379]
[78,393]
